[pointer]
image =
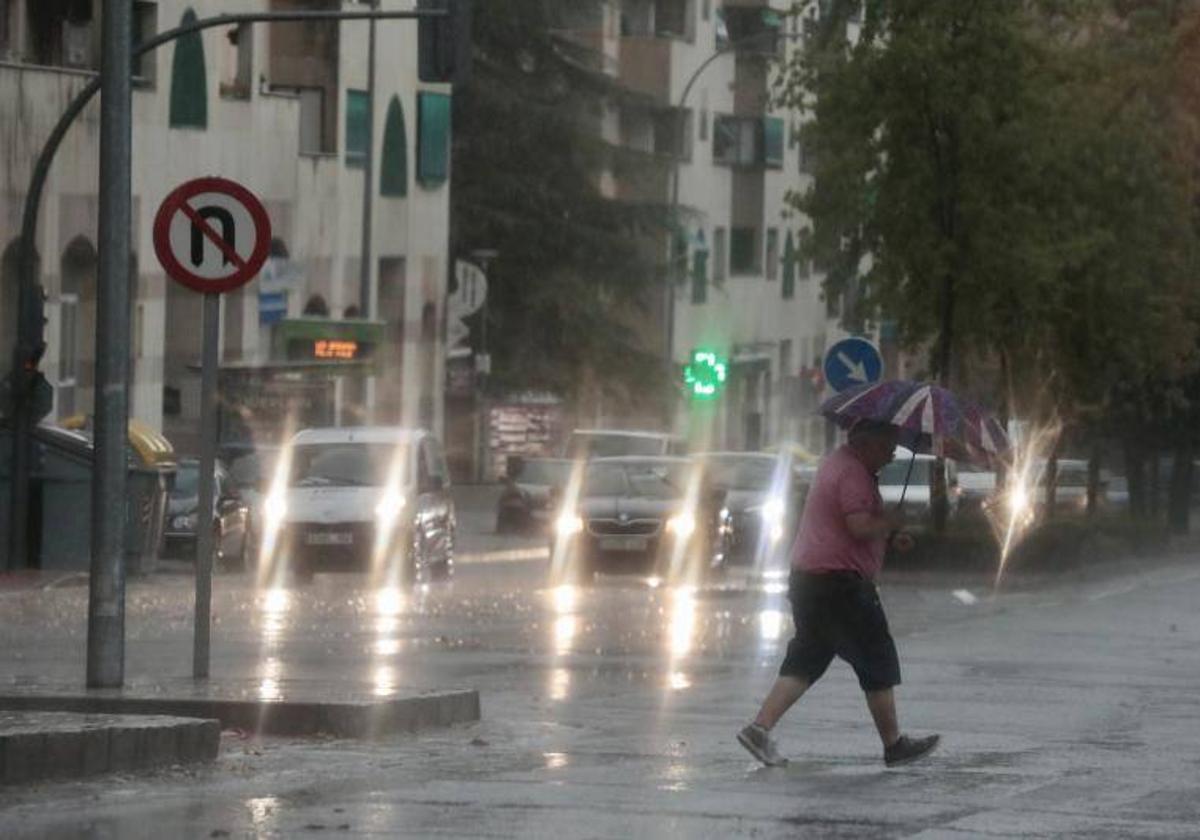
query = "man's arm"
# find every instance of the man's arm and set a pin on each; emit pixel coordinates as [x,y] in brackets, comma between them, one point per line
[865,525]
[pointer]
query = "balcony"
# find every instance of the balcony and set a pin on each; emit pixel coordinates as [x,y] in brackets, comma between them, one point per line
[645,66]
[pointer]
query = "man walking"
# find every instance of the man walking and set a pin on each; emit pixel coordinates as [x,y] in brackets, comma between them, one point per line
[835,605]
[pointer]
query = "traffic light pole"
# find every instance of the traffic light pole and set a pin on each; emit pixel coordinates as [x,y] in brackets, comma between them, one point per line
[106,593]
[31,343]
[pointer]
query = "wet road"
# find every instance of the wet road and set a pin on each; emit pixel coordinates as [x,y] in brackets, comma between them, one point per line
[609,710]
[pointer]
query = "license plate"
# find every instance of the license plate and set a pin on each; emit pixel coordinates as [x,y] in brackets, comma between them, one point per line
[330,538]
[623,544]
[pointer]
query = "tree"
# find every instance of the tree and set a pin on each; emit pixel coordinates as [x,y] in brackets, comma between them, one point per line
[984,174]
[572,293]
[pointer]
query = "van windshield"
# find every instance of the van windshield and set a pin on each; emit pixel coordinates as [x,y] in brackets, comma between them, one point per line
[344,464]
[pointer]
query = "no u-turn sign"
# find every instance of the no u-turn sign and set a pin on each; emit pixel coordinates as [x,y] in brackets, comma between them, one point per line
[212,235]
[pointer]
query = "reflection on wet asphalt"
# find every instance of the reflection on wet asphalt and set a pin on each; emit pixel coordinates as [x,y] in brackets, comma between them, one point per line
[609,709]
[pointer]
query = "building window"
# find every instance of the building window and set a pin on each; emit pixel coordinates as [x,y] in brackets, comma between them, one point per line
[744,255]
[720,261]
[433,142]
[4,11]
[357,130]
[237,62]
[773,142]
[189,80]
[145,27]
[312,123]
[61,34]
[748,141]
[772,254]
[393,176]
[673,133]
[791,258]
[700,271]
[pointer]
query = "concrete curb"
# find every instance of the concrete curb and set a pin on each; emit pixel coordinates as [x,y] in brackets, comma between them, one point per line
[344,719]
[55,745]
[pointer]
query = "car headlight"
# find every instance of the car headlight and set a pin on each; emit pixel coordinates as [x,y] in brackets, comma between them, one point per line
[1018,500]
[568,524]
[682,525]
[389,507]
[184,522]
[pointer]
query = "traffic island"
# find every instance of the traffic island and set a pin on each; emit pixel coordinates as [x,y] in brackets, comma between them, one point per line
[41,745]
[235,707]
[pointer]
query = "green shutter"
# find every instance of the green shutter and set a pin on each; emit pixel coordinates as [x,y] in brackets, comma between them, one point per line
[356,128]
[433,143]
[189,80]
[393,176]
[773,142]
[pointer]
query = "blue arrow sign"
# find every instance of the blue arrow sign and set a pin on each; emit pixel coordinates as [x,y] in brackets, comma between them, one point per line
[852,361]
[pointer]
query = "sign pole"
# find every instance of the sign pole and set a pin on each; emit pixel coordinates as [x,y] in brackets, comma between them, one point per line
[205,485]
[106,585]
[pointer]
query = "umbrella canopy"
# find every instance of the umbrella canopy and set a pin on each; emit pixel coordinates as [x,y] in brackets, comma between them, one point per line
[930,418]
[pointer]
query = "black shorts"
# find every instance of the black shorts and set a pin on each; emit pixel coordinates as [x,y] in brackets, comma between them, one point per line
[839,614]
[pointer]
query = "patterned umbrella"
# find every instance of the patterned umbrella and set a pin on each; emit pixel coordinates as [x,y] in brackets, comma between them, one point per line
[930,419]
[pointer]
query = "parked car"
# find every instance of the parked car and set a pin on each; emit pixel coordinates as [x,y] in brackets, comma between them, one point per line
[365,498]
[916,472]
[230,524]
[976,486]
[613,443]
[764,496]
[633,514]
[530,489]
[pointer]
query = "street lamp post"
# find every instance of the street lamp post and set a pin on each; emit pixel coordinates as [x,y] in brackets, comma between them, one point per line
[483,369]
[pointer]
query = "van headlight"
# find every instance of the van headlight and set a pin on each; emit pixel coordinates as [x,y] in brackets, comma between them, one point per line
[568,524]
[274,508]
[389,507]
[682,525]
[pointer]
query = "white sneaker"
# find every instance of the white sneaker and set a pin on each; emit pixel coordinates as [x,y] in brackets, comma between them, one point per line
[758,743]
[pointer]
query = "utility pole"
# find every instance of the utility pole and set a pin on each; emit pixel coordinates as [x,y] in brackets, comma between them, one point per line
[106,593]
[368,218]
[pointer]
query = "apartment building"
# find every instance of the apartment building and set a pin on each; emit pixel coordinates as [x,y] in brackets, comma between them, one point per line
[694,104]
[280,108]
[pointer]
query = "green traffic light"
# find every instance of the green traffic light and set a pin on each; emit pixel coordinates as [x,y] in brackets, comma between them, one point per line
[704,375]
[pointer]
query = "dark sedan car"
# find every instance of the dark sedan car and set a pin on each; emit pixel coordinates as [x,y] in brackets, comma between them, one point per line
[764,496]
[230,524]
[530,490]
[649,515]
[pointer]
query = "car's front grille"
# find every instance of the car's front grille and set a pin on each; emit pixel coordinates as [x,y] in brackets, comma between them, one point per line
[627,528]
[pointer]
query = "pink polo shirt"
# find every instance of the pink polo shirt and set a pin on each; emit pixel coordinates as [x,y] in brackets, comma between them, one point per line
[843,485]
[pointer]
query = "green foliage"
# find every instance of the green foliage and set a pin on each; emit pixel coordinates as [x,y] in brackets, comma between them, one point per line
[573,290]
[1012,171]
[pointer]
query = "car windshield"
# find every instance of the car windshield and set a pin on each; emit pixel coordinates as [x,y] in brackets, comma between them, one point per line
[895,473]
[610,445]
[342,464]
[647,480]
[544,472]
[187,476]
[741,473]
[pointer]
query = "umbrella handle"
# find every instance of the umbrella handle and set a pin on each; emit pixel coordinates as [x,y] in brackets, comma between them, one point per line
[907,476]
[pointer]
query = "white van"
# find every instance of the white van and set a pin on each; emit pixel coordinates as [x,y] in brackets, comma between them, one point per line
[367,497]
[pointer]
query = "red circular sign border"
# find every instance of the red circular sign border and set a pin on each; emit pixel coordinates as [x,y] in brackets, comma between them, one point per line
[162,235]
